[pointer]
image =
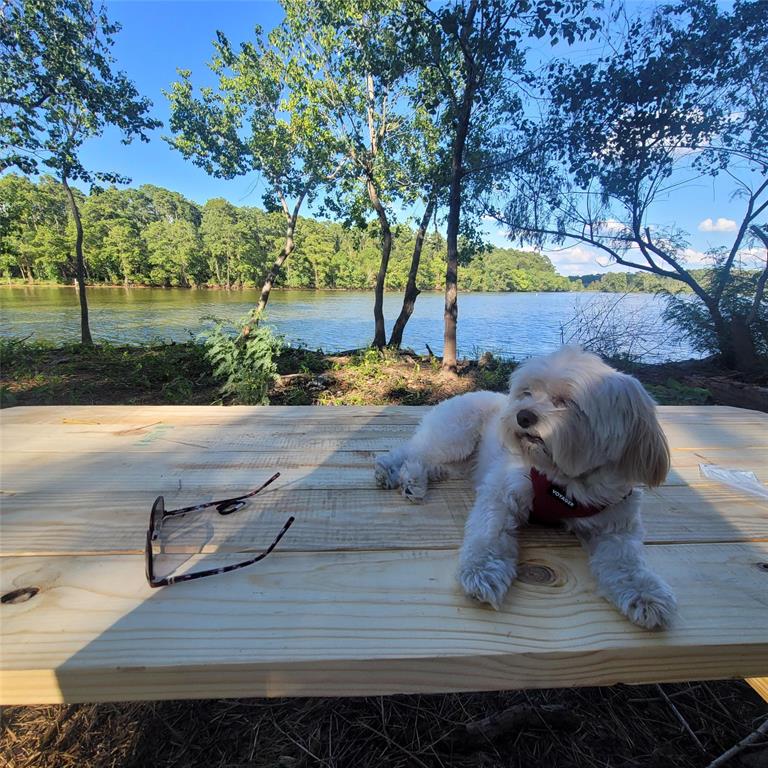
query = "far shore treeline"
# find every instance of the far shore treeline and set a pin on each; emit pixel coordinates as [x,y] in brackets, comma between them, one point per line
[156,237]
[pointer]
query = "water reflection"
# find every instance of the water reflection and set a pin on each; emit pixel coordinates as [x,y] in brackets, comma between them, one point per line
[511,324]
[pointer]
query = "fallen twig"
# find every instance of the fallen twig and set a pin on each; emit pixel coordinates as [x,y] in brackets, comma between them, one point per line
[682,720]
[745,742]
[517,717]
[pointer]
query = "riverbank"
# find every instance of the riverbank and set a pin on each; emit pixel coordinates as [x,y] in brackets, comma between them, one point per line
[36,373]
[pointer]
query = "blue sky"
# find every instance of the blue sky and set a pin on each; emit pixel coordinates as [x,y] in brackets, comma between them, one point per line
[159,36]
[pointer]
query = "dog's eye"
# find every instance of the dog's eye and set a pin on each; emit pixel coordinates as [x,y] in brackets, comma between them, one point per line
[559,402]
[525,393]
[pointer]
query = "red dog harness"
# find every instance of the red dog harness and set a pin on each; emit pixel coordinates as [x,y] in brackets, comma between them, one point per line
[552,505]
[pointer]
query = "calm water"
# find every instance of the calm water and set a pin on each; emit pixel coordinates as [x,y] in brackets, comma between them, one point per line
[511,324]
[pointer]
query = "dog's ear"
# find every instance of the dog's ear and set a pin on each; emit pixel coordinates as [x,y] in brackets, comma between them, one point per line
[516,375]
[645,456]
[507,426]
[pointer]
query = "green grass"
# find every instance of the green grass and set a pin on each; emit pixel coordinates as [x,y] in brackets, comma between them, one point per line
[39,373]
[672,392]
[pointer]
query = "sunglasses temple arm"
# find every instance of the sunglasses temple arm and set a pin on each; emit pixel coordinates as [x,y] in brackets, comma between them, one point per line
[226,568]
[197,507]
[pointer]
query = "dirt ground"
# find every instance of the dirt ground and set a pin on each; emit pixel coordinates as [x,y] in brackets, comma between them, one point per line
[179,374]
[670,726]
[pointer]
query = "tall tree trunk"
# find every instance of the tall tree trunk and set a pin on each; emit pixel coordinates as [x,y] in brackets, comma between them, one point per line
[735,340]
[454,199]
[273,273]
[85,330]
[451,314]
[380,332]
[411,291]
[743,355]
[290,229]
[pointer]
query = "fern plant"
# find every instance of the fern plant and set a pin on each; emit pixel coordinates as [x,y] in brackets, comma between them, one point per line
[243,358]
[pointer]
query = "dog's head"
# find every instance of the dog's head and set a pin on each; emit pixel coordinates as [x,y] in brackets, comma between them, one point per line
[571,412]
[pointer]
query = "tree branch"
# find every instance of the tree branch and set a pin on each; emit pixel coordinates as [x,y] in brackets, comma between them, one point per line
[748,218]
[760,288]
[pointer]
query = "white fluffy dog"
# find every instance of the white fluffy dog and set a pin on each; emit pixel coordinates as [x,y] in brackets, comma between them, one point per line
[569,443]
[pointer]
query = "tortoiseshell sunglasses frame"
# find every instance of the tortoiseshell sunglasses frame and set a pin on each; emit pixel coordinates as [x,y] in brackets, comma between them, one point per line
[223,507]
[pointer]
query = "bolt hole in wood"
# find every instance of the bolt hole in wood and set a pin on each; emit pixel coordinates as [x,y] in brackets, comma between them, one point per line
[19,595]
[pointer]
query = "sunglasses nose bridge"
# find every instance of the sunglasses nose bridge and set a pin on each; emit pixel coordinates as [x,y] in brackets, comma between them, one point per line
[227,508]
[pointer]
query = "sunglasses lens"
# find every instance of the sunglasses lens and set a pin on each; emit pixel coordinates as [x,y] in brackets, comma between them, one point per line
[156,518]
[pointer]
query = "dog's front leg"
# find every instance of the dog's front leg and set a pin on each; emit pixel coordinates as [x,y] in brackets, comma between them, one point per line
[488,556]
[619,567]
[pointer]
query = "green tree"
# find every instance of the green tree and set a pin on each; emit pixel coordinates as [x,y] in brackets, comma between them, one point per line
[681,95]
[124,247]
[166,205]
[112,222]
[255,120]
[473,61]
[352,60]
[175,253]
[59,89]
[427,167]
[221,233]
[35,234]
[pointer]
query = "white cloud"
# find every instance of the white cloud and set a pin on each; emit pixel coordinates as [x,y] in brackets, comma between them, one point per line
[694,259]
[612,225]
[721,225]
[579,260]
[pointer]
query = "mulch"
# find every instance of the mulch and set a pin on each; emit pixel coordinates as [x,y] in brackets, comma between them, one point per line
[671,726]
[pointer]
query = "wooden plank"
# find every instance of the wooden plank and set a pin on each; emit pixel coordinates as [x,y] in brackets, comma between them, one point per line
[251,429]
[162,438]
[79,418]
[760,684]
[100,502]
[373,623]
[213,415]
[334,518]
[311,468]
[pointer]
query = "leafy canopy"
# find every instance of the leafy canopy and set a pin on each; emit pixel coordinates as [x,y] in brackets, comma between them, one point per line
[58,86]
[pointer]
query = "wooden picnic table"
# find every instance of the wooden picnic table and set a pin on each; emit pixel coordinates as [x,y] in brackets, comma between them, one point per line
[360,597]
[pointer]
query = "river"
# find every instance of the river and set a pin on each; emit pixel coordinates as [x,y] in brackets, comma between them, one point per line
[510,324]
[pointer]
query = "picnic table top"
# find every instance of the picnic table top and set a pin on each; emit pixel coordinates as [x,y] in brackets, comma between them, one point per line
[360,597]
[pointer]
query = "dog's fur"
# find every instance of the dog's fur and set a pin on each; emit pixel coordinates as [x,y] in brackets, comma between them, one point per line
[595,434]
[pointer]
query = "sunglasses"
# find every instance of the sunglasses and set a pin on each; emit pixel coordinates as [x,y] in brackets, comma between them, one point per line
[160,514]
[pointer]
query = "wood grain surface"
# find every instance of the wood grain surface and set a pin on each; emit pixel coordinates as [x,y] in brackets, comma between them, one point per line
[361,596]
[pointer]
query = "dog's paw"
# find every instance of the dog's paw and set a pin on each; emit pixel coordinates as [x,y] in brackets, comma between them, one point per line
[387,471]
[439,472]
[413,481]
[651,608]
[487,579]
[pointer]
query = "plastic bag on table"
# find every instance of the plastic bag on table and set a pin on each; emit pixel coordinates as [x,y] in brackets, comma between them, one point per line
[736,478]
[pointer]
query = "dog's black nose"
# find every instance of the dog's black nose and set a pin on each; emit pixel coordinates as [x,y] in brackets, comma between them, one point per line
[526,418]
